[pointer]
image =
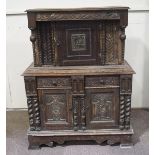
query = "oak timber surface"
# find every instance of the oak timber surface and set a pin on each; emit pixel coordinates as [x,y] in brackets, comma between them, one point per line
[79,9]
[78,70]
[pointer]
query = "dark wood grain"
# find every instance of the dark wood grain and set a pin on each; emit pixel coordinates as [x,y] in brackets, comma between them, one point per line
[102,30]
[79,85]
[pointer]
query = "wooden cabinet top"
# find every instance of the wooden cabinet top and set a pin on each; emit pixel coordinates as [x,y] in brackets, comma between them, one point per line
[107,13]
[79,70]
[76,9]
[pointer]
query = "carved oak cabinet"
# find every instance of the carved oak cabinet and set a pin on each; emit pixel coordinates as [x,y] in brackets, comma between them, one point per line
[79,85]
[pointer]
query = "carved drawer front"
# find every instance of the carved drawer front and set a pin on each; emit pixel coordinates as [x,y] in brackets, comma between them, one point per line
[102,108]
[55,109]
[101,81]
[54,82]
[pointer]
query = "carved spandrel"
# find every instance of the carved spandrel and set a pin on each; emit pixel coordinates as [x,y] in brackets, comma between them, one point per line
[34,113]
[56,107]
[30,85]
[101,106]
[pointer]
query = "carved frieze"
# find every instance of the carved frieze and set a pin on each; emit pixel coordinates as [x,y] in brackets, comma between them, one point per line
[76,16]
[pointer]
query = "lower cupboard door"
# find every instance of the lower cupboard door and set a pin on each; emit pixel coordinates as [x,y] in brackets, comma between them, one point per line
[102,108]
[55,108]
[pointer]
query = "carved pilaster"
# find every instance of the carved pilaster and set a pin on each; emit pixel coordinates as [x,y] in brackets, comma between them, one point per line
[83,113]
[125,101]
[122,112]
[34,114]
[75,113]
[36,51]
[78,84]
[102,43]
[122,37]
[127,111]
[32,103]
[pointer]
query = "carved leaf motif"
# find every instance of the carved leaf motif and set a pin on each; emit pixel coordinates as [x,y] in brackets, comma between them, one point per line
[102,106]
[45,37]
[56,107]
[54,82]
[109,44]
[76,16]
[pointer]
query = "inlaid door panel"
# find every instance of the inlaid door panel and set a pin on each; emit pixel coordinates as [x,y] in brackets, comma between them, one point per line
[102,108]
[55,109]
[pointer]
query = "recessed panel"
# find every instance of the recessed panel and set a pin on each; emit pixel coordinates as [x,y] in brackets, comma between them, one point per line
[78,42]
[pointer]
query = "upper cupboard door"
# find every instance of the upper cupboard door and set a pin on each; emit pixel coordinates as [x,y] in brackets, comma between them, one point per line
[55,108]
[77,42]
[102,108]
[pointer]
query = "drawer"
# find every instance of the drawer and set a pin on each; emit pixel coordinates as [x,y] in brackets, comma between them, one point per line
[53,82]
[100,81]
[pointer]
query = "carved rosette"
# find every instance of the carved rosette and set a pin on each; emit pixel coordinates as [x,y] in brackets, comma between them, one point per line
[32,103]
[125,101]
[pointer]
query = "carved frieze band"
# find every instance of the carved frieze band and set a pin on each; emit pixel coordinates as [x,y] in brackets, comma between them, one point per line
[34,113]
[76,16]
